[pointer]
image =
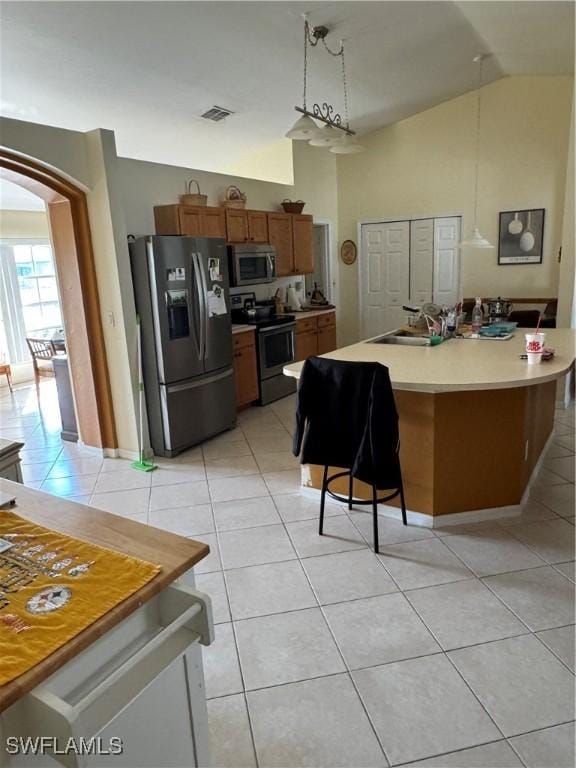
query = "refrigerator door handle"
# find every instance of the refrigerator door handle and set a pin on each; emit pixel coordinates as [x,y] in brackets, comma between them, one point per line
[201,311]
[200,383]
[205,298]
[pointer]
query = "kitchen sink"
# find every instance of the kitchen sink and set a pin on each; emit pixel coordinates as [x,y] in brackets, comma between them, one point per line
[401,337]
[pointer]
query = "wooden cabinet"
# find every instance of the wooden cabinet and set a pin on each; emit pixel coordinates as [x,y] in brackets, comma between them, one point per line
[245,368]
[315,335]
[292,236]
[326,333]
[236,226]
[194,220]
[280,235]
[257,226]
[302,244]
[306,344]
[246,226]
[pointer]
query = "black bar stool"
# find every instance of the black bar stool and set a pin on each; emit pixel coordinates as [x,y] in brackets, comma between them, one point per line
[346,418]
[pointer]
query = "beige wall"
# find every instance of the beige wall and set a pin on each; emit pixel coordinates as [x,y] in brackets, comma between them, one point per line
[62,150]
[425,166]
[121,195]
[273,162]
[22,224]
[566,287]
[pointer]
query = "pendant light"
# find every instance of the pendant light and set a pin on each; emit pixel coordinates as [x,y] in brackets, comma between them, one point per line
[303,129]
[476,240]
[325,137]
[336,134]
[347,146]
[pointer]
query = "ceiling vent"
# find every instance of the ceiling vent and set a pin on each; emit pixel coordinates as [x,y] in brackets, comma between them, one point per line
[216,114]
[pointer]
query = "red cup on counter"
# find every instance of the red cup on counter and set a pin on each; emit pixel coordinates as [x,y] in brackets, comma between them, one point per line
[535,347]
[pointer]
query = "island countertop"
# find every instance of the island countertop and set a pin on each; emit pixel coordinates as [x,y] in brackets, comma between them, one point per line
[174,554]
[462,364]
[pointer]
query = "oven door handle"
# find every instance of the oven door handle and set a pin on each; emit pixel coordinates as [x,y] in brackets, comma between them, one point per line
[277,328]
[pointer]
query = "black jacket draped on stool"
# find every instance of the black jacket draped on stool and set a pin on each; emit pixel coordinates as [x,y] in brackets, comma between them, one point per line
[346,417]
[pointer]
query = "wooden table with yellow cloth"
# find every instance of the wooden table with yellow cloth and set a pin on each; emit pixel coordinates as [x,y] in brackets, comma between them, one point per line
[52,587]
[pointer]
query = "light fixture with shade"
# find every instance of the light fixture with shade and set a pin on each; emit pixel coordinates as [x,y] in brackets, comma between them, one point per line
[303,129]
[326,137]
[476,240]
[347,146]
[336,132]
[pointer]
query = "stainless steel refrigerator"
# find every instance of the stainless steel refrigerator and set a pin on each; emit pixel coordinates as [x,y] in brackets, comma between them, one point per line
[182,296]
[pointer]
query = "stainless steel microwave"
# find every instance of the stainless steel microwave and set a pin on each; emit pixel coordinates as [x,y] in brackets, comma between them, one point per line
[252,264]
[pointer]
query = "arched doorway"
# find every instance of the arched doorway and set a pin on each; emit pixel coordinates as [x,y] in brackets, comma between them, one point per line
[70,232]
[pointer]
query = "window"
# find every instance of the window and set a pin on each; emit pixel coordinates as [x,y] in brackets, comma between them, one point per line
[29,294]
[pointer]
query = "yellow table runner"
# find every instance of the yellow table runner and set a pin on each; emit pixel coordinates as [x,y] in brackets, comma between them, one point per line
[52,587]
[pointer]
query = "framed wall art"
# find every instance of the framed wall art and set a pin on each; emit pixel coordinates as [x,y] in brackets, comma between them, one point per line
[521,235]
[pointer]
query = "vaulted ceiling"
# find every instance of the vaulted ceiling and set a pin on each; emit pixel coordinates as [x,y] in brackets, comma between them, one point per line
[148,70]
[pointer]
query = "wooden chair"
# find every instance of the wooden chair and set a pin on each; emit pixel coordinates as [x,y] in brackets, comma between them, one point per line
[5,370]
[42,352]
[526,318]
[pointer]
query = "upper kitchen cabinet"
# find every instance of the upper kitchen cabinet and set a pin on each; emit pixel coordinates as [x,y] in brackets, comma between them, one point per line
[291,235]
[193,220]
[280,236]
[303,244]
[246,226]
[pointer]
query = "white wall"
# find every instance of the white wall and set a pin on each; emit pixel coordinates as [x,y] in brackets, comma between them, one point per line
[424,165]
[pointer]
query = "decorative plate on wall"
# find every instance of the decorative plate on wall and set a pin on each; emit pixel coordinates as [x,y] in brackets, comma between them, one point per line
[348,252]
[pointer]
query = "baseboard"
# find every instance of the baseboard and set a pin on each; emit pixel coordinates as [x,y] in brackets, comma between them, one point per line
[456,518]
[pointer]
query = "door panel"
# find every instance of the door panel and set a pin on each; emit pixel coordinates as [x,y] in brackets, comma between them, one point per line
[194,411]
[218,347]
[214,222]
[176,304]
[421,260]
[303,238]
[236,226]
[190,221]
[446,260]
[384,276]
[257,226]
[280,236]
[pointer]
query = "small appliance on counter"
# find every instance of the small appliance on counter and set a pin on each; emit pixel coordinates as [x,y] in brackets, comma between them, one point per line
[498,310]
[275,343]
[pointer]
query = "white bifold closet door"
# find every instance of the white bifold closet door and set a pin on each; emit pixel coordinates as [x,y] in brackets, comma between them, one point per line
[446,285]
[421,261]
[384,276]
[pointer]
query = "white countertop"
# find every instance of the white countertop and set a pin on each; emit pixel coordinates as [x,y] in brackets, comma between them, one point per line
[242,328]
[462,364]
[304,313]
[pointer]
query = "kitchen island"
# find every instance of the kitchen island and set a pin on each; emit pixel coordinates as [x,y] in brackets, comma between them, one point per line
[474,421]
[135,674]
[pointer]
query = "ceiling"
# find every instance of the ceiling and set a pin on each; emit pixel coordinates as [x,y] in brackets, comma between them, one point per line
[148,70]
[16,198]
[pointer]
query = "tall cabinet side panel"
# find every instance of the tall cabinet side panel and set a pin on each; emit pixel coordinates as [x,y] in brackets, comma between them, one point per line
[141,281]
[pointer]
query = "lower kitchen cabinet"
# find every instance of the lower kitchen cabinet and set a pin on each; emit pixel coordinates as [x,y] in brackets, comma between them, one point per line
[315,335]
[245,368]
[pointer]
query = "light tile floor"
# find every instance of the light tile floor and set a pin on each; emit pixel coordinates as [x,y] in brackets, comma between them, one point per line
[453,648]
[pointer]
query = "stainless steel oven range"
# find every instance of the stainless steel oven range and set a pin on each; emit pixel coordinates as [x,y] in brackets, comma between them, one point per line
[275,344]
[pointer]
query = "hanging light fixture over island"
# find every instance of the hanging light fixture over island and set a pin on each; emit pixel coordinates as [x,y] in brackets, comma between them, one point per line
[336,134]
[476,240]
